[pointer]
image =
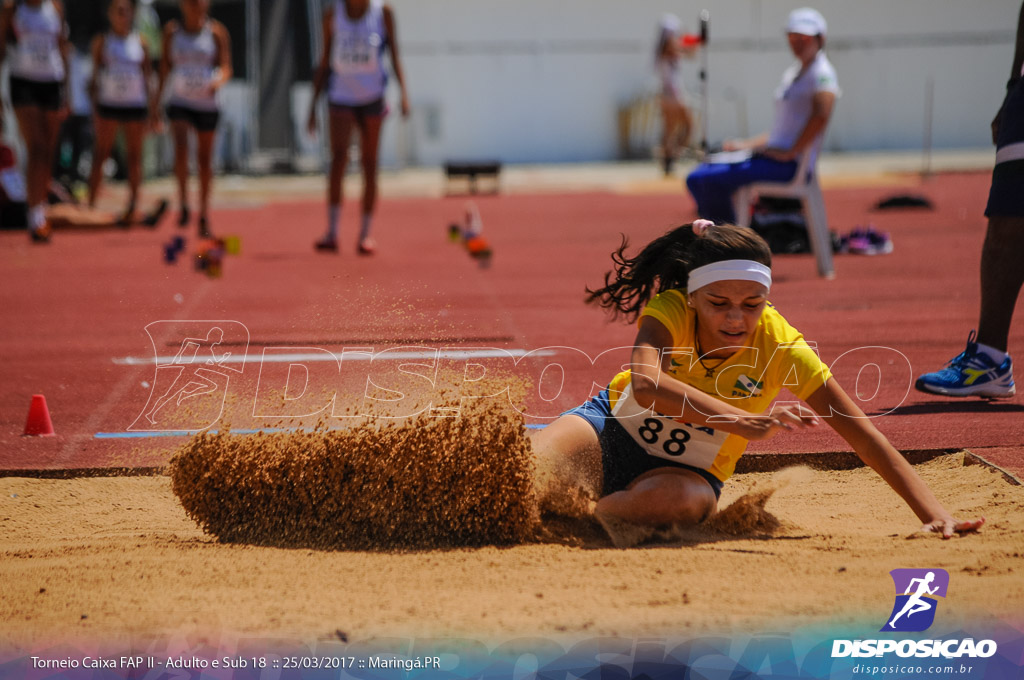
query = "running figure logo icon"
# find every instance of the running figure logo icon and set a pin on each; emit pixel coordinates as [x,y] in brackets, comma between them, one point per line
[190,386]
[916,590]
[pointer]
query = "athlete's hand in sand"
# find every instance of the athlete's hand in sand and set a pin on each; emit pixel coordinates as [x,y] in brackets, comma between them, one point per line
[948,526]
[767,425]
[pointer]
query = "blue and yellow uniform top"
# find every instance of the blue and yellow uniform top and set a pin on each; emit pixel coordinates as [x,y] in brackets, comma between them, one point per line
[774,357]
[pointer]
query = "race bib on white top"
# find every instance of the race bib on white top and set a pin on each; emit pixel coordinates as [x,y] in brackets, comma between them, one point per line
[663,437]
[192,82]
[37,50]
[356,54]
[35,56]
[122,84]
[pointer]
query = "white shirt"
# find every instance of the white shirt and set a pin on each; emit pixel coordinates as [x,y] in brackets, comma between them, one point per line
[35,54]
[122,81]
[794,99]
[357,67]
[193,68]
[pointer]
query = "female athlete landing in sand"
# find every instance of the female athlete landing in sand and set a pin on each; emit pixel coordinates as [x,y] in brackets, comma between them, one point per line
[710,356]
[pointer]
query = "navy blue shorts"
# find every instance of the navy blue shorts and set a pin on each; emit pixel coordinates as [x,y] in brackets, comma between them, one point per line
[361,112]
[1005,198]
[622,459]
[122,114]
[47,96]
[203,121]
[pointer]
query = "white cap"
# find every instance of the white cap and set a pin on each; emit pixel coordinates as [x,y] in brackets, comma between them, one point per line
[806,21]
[670,23]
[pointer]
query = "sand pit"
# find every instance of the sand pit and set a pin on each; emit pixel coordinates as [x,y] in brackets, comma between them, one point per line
[115,559]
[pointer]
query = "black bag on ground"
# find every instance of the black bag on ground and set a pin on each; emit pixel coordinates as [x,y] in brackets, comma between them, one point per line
[780,222]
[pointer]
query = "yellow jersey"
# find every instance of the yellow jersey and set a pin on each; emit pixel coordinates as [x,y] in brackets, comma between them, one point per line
[774,357]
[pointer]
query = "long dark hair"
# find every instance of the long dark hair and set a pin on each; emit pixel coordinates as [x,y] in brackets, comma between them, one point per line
[666,262]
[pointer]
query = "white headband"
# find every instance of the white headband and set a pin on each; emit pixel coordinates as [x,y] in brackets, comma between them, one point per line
[729,270]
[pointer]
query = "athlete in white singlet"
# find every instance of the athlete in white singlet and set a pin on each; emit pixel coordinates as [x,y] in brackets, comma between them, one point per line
[33,41]
[195,64]
[356,34]
[121,98]
[675,116]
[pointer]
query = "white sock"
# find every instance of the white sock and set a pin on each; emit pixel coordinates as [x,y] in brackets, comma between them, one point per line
[364,229]
[474,225]
[333,220]
[994,354]
[37,215]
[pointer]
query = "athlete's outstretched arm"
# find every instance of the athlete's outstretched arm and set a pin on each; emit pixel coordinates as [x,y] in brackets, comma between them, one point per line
[654,388]
[832,403]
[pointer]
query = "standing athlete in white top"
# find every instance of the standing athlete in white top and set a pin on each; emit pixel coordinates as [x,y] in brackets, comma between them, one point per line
[196,59]
[33,39]
[675,116]
[356,34]
[121,98]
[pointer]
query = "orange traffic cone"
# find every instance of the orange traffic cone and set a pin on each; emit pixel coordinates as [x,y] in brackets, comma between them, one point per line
[38,423]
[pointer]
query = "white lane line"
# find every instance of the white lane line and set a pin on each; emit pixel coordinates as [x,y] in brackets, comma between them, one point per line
[349,355]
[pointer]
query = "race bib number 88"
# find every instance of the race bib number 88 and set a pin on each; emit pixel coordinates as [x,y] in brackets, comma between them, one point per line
[666,438]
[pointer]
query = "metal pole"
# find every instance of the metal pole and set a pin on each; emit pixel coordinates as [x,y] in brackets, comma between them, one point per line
[929,106]
[705,19]
[252,56]
[316,35]
[315,11]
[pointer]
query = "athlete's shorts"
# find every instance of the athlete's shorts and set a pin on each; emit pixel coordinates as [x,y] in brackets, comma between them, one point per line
[374,109]
[122,114]
[48,96]
[1006,197]
[203,121]
[622,459]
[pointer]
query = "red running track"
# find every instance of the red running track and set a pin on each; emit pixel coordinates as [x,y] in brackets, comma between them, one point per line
[71,308]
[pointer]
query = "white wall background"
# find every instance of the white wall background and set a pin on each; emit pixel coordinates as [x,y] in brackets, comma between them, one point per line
[542,80]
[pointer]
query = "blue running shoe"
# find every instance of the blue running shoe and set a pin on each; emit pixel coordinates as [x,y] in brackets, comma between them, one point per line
[970,374]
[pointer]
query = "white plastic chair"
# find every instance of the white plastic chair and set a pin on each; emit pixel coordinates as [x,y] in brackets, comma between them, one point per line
[804,187]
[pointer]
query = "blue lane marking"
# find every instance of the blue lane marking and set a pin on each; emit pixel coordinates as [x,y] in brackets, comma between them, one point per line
[268,430]
[139,435]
